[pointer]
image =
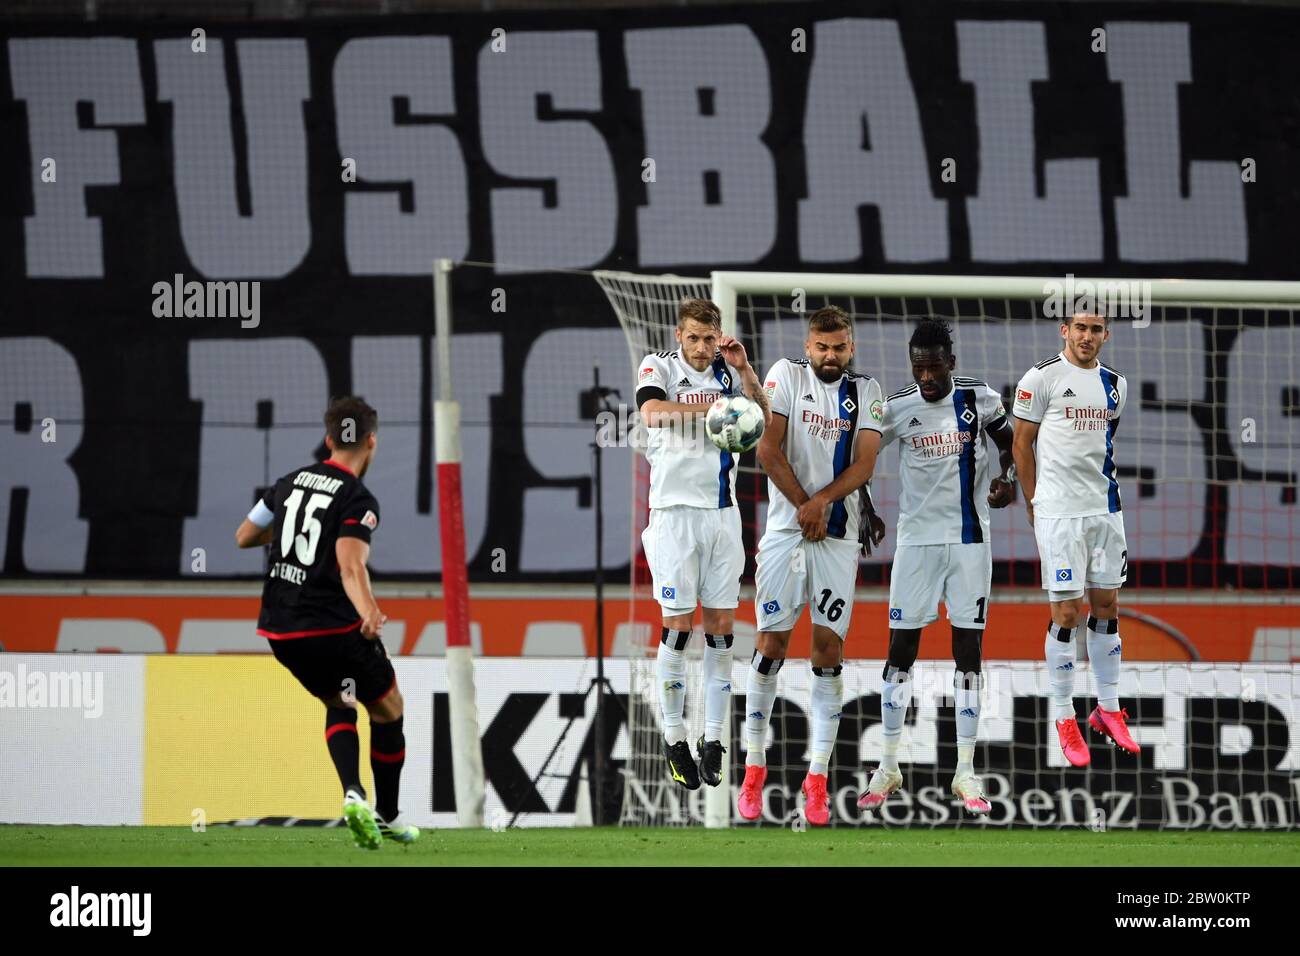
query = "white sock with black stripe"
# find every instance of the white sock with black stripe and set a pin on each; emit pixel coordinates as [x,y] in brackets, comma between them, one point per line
[670,666]
[827,703]
[760,694]
[966,695]
[717,683]
[895,695]
[1104,655]
[1059,652]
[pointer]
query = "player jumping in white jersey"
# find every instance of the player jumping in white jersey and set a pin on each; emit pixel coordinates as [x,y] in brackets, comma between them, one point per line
[1070,405]
[943,549]
[818,451]
[692,542]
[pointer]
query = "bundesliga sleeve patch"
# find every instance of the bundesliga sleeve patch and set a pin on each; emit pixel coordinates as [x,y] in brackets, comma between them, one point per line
[770,388]
[1023,398]
[646,373]
[370,520]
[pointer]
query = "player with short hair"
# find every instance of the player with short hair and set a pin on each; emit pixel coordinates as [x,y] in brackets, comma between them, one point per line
[321,618]
[693,539]
[940,422]
[1069,407]
[818,452]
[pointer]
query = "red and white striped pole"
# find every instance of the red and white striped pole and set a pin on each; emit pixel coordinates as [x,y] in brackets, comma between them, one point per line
[466,749]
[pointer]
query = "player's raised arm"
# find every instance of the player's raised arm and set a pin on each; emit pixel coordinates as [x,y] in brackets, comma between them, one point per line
[734,353]
[661,413]
[652,396]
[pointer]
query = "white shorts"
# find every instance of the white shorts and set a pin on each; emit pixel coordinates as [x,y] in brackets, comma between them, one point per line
[1080,553]
[793,572]
[696,555]
[923,574]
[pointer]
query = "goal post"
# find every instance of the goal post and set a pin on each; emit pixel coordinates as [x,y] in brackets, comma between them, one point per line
[1208,467]
[726,286]
[466,747]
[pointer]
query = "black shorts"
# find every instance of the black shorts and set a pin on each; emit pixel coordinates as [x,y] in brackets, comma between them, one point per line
[322,664]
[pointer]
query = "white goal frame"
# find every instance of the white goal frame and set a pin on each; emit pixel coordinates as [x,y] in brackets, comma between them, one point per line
[728,286]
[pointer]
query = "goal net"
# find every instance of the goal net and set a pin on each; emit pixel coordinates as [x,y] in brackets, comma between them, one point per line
[1208,469]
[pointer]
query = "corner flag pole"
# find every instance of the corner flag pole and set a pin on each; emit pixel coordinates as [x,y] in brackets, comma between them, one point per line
[466,749]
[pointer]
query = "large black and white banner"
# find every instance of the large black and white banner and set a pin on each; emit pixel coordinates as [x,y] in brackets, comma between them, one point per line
[306,176]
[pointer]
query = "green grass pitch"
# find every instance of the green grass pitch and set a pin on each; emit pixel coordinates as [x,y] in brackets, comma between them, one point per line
[310,846]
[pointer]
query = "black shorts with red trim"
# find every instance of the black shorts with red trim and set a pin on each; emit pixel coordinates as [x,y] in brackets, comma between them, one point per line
[323,663]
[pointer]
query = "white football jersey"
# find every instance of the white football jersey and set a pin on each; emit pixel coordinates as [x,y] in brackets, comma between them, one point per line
[685,467]
[1077,410]
[943,461]
[824,419]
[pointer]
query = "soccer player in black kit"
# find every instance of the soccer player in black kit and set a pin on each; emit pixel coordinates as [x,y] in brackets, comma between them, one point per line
[320,616]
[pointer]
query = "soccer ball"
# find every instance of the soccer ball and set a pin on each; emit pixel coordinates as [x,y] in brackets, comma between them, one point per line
[734,424]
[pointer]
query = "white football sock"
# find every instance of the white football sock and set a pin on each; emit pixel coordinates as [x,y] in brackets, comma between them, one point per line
[827,702]
[895,694]
[671,670]
[1105,656]
[966,693]
[717,683]
[760,694]
[1058,649]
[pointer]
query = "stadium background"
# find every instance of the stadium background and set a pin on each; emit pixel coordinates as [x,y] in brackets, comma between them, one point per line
[227,167]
